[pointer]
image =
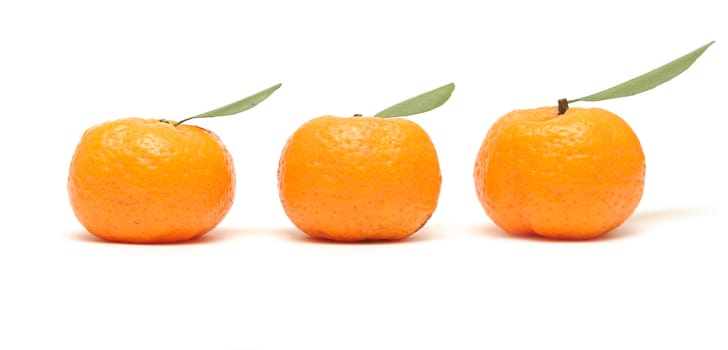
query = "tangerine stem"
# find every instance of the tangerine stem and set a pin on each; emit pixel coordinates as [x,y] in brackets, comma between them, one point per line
[563,106]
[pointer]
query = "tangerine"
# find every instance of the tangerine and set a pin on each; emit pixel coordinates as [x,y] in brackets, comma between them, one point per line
[148,181]
[360,178]
[575,175]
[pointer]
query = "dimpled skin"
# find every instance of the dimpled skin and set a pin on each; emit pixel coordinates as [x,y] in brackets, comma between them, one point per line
[144,181]
[574,176]
[359,178]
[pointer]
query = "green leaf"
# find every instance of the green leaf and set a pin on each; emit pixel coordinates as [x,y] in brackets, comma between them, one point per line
[420,103]
[650,79]
[237,106]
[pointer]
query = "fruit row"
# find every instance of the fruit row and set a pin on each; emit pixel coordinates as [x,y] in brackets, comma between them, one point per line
[560,172]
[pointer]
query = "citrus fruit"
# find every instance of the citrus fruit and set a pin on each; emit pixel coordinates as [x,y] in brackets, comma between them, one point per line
[149,181]
[572,176]
[359,178]
[137,180]
[567,173]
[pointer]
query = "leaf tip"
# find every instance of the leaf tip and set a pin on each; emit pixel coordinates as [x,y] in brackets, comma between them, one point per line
[449,87]
[706,46]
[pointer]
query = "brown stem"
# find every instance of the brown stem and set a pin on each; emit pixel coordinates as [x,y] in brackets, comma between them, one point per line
[563,106]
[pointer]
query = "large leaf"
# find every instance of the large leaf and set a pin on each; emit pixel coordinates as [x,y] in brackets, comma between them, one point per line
[237,106]
[420,103]
[648,80]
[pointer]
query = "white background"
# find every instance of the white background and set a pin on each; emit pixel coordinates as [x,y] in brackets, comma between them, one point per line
[257,283]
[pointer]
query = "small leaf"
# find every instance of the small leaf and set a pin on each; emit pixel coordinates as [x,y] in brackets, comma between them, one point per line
[650,79]
[420,103]
[237,106]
